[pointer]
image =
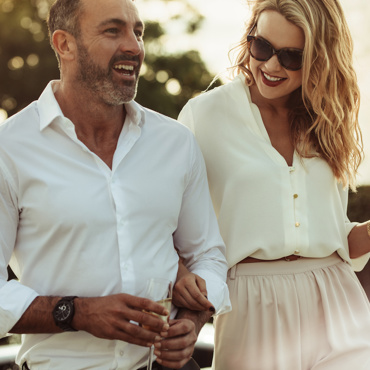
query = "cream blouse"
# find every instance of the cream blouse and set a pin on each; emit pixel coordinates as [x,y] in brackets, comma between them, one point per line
[265,208]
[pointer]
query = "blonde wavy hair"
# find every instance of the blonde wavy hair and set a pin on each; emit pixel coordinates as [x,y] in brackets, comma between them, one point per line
[324,111]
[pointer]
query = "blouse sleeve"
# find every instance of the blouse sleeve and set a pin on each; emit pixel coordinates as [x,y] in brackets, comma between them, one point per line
[357,263]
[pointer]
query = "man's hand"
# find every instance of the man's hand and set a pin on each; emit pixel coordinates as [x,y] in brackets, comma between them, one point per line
[190,292]
[109,318]
[177,347]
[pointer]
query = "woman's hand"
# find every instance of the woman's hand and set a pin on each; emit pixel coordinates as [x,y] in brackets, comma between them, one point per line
[190,291]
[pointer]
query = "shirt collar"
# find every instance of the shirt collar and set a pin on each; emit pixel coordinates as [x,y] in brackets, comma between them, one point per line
[49,109]
[135,112]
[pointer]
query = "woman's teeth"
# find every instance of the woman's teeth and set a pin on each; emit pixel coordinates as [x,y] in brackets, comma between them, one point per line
[272,79]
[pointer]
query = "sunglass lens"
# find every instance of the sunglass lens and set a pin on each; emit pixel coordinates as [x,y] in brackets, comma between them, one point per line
[291,59]
[261,50]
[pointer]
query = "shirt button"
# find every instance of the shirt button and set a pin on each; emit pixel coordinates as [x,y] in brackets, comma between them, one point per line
[295,196]
[291,169]
[121,353]
[297,251]
[297,224]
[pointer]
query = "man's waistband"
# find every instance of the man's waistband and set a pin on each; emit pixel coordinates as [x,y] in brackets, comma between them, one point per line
[191,365]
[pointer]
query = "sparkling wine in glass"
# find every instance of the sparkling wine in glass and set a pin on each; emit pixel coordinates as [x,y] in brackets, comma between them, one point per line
[159,290]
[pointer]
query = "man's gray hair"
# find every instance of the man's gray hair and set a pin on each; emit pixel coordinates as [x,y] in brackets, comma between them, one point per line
[65,15]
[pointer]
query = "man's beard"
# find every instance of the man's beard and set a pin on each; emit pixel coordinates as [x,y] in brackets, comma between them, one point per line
[101,81]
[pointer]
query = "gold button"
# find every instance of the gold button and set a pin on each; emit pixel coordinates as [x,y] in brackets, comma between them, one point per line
[296,251]
[295,196]
[297,224]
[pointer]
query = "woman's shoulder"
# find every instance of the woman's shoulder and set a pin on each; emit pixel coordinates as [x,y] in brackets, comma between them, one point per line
[229,93]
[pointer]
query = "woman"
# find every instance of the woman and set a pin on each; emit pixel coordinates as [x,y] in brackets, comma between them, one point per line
[282,144]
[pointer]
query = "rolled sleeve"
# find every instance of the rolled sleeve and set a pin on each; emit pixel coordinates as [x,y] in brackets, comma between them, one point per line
[14,301]
[198,238]
[14,297]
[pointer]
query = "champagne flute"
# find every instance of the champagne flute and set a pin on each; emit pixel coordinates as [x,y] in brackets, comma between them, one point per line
[159,290]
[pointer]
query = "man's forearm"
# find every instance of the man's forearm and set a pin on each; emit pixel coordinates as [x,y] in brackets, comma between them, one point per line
[38,317]
[108,317]
[199,318]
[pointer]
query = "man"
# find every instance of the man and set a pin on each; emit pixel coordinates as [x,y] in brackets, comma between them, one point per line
[95,192]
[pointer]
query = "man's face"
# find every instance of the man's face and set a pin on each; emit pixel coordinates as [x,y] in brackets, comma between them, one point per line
[110,49]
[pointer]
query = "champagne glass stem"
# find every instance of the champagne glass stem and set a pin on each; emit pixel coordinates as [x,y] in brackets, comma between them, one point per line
[150,356]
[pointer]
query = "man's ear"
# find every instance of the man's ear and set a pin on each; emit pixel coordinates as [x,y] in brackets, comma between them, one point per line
[65,45]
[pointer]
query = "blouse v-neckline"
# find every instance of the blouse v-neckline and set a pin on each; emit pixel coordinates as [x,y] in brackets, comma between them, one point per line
[258,127]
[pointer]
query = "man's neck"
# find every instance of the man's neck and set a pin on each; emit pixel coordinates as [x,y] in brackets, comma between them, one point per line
[98,125]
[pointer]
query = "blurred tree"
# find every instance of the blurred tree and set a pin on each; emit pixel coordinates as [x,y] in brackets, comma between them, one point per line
[359,204]
[27,62]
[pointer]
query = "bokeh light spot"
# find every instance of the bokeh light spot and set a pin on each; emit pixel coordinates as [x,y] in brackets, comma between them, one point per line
[143,69]
[7,6]
[39,37]
[162,76]
[35,28]
[33,60]
[173,86]
[9,103]
[3,115]
[26,22]
[16,63]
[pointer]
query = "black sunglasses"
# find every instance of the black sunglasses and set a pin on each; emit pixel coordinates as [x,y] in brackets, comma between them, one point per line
[262,50]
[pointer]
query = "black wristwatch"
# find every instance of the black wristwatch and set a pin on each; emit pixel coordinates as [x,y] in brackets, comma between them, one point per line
[63,313]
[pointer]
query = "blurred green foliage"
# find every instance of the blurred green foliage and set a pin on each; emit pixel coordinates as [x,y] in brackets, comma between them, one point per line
[27,62]
[359,204]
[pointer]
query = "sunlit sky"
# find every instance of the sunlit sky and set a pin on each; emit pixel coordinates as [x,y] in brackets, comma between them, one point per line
[223,26]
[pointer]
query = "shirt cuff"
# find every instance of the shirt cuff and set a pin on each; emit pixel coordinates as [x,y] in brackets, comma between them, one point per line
[217,292]
[15,299]
[359,263]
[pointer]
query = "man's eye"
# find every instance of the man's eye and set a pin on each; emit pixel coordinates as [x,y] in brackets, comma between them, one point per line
[139,34]
[112,30]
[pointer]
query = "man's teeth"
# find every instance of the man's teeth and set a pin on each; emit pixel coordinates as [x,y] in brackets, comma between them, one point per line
[125,67]
[272,79]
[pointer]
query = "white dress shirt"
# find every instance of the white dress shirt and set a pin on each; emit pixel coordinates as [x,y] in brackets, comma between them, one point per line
[70,225]
[265,208]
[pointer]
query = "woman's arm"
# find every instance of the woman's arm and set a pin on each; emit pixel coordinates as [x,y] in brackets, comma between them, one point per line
[359,240]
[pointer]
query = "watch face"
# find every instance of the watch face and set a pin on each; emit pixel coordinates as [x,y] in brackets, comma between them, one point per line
[63,311]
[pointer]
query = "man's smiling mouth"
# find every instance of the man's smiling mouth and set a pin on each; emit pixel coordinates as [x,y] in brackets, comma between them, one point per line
[124,69]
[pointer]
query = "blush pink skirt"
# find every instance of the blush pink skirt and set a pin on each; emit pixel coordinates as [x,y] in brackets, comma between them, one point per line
[309,314]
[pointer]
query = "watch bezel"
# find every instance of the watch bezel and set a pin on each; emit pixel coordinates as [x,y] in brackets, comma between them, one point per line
[64,322]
